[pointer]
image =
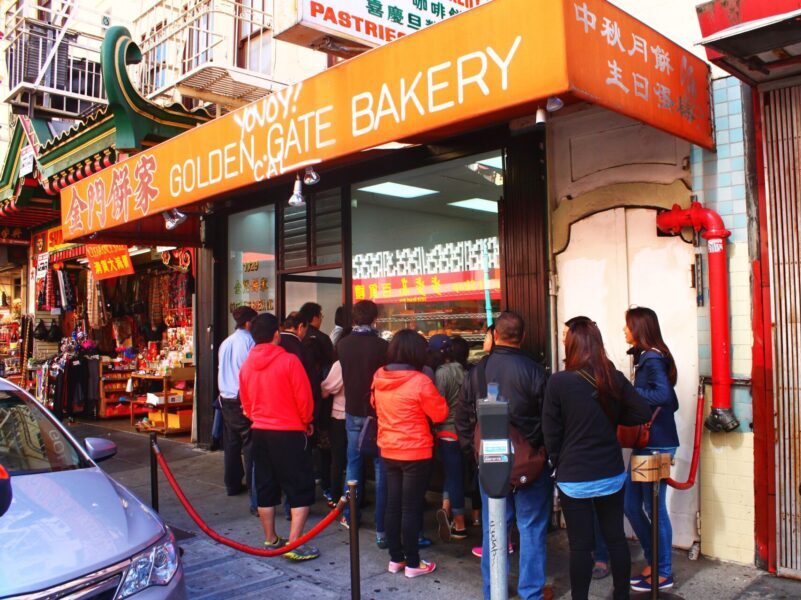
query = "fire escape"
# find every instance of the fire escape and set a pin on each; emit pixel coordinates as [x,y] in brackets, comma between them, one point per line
[208,52]
[53,58]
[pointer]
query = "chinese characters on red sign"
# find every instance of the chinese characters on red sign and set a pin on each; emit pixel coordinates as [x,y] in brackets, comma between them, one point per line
[109,260]
[98,204]
[623,63]
[437,287]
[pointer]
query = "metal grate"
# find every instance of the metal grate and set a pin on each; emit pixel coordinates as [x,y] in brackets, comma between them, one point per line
[782,126]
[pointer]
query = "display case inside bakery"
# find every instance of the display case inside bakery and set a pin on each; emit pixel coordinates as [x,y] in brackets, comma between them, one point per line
[426,249]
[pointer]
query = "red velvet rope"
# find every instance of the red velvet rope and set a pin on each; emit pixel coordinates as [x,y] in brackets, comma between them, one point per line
[327,520]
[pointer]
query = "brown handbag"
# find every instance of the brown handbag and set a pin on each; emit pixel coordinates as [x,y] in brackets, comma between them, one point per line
[628,436]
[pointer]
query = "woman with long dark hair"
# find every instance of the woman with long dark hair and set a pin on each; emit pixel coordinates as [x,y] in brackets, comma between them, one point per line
[406,402]
[583,407]
[654,378]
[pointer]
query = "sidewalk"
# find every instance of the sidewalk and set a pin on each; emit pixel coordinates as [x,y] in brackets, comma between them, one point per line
[215,572]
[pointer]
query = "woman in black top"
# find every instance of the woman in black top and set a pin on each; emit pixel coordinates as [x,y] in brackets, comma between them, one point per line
[583,407]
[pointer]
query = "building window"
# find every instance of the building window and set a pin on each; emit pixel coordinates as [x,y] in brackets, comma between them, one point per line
[425,246]
[254,39]
[311,235]
[251,260]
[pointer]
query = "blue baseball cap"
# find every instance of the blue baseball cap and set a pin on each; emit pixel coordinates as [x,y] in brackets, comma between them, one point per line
[439,342]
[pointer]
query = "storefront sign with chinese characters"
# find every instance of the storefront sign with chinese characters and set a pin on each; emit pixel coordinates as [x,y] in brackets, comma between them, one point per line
[438,287]
[368,22]
[14,236]
[468,71]
[620,63]
[109,260]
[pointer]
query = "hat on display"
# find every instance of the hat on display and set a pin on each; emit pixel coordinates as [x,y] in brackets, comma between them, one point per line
[243,314]
[439,342]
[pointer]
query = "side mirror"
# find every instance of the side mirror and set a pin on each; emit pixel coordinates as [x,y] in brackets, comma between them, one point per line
[5,491]
[100,449]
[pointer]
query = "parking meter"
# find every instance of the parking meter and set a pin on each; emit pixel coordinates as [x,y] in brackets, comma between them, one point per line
[495,453]
[494,470]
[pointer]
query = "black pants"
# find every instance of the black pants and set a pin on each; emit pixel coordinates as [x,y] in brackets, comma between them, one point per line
[283,463]
[581,535]
[236,444]
[407,481]
[339,456]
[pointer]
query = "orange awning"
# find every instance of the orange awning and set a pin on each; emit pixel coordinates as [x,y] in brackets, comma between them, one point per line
[491,64]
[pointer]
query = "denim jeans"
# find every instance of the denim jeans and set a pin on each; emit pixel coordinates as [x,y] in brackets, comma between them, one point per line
[353,471]
[637,506]
[530,507]
[451,456]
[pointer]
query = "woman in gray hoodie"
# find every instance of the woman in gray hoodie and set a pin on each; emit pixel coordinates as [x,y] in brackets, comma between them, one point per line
[450,358]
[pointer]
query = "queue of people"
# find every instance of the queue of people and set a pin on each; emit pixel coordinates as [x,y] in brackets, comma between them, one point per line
[396,406]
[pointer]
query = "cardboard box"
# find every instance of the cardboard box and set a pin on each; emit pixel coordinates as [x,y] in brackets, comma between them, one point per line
[158,399]
[155,417]
[181,419]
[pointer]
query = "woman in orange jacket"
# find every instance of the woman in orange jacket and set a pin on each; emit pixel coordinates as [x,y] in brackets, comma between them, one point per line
[406,402]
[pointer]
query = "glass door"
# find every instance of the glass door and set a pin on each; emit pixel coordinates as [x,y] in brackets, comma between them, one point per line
[322,287]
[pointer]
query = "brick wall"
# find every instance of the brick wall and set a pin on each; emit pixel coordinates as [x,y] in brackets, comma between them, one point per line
[727,459]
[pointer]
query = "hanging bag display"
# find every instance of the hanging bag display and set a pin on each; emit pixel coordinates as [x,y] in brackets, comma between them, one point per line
[54,333]
[628,436]
[40,332]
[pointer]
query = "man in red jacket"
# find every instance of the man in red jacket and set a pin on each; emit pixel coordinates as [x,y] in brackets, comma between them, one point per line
[277,398]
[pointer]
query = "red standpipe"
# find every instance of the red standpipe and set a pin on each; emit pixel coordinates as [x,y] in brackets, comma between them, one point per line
[713,231]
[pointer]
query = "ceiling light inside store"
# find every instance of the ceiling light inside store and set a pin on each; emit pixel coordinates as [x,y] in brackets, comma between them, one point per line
[390,146]
[136,251]
[397,190]
[480,204]
[496,162]
[491,174]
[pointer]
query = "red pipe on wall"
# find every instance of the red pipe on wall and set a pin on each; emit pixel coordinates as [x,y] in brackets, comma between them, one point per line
[715,233]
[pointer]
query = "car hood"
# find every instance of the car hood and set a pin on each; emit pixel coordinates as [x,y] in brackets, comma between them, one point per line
[67,524]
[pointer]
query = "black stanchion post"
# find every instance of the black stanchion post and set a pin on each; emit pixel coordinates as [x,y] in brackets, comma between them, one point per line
[154,475]
[355,576]
[650,469]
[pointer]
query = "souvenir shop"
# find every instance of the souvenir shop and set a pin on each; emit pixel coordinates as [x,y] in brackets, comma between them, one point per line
[111,334]
[12,324]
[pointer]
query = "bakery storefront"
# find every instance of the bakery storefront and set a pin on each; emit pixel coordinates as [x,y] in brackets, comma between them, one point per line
[414,175]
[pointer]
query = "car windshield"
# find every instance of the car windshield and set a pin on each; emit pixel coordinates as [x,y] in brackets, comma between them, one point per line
[29,441]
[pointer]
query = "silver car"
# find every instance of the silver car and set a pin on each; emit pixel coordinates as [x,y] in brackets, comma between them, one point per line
[70,530]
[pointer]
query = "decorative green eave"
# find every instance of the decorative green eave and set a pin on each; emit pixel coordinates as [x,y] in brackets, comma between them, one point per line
[124,124]
[8,177]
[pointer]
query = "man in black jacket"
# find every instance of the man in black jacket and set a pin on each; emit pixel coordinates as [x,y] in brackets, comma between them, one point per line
[522,382]
[361,354]
[320,351]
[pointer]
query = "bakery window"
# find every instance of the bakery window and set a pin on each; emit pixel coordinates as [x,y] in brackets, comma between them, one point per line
[425,246]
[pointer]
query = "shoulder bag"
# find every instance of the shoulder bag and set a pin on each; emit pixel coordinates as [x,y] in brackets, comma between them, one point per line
[628,436]
[528,462]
